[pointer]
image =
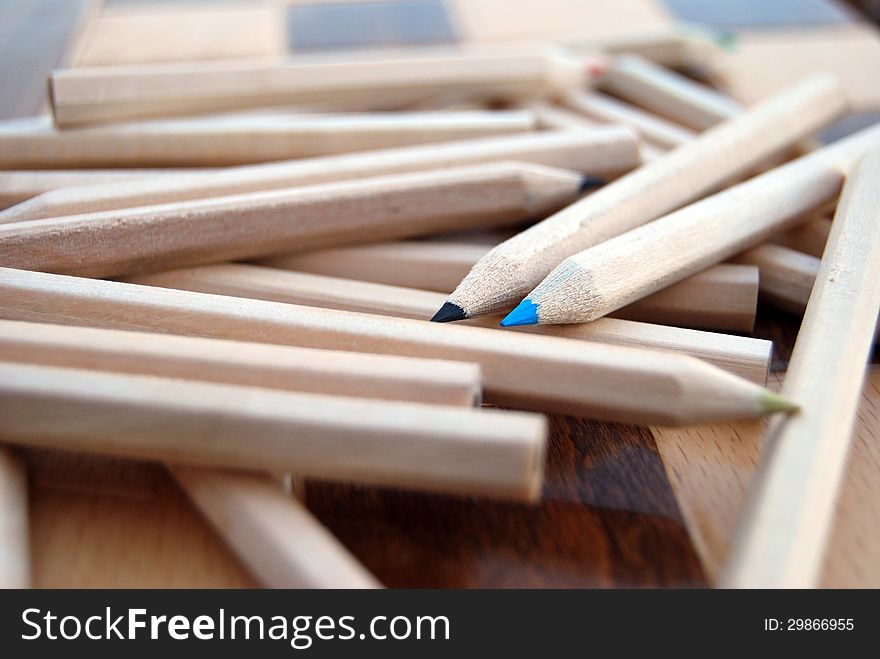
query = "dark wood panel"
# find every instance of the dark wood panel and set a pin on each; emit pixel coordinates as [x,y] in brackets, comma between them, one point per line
[608,518]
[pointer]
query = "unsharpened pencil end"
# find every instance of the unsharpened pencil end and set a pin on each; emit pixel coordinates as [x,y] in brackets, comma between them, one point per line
[448,313]
[526,313]
[771,403]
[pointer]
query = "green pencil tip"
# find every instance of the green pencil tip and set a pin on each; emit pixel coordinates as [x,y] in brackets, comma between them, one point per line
[771,403]
[727,40]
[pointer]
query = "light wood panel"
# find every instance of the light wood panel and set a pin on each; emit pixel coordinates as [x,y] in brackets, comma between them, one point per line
[710,467]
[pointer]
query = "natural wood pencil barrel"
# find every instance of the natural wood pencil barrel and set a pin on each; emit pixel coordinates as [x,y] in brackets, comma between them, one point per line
[667,93]
[519,370]
[308,370]
[271,532]
[15,560]
[722,297]
[241,139]
[262,223]
[809,238]
[424,447]
[83,96]
[590,284]
[671,94]
[430,265]
[787,276]
[747,357]
[515,267]
[551,116]
[17,186]
[655,130]
[784,531]
[594,152]
[611,275]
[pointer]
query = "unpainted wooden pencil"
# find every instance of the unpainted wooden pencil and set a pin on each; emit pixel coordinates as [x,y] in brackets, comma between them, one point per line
[667,93]
[17,186]
[787,276]
[723,297]
[333,372]
[262,223]
[608,276]
[783,533]
[747,357]
[240,139]
[15,561]
[809,238]
[519,370]
[432,448]
[551,116]
[107,94]
[599,152]
[655,130]
[275,535]
[505,275]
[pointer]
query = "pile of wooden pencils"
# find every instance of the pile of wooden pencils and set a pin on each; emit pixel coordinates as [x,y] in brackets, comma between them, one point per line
[263,307]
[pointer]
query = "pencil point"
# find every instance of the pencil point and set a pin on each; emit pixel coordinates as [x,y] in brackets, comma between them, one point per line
[771,403]
[590,183]
[448,313]
[526,313]
[727,40]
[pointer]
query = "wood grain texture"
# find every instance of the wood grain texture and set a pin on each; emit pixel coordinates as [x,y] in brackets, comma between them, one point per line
[226,140]
[606,520]
[271,531]
[744,356]
[102,94]
[711,467]
[575,377]
[667,93]
[425,447]
[655,130]
[259,223]
[784,529]
[809,238]
[15,570]
[632,265]
[720,298]
[504,276]
[598,152]
[19,186]
[787,276]
[85,539]
[251,364]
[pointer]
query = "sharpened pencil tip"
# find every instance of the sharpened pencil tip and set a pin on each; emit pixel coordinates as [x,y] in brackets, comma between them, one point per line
[448,313]
[727,40]
[590,183]
[526,313]
[771,403]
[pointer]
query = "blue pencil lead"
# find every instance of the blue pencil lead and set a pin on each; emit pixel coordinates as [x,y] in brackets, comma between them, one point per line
[526,313]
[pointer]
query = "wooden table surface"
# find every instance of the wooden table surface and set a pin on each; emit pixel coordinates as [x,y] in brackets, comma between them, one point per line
[623,506]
